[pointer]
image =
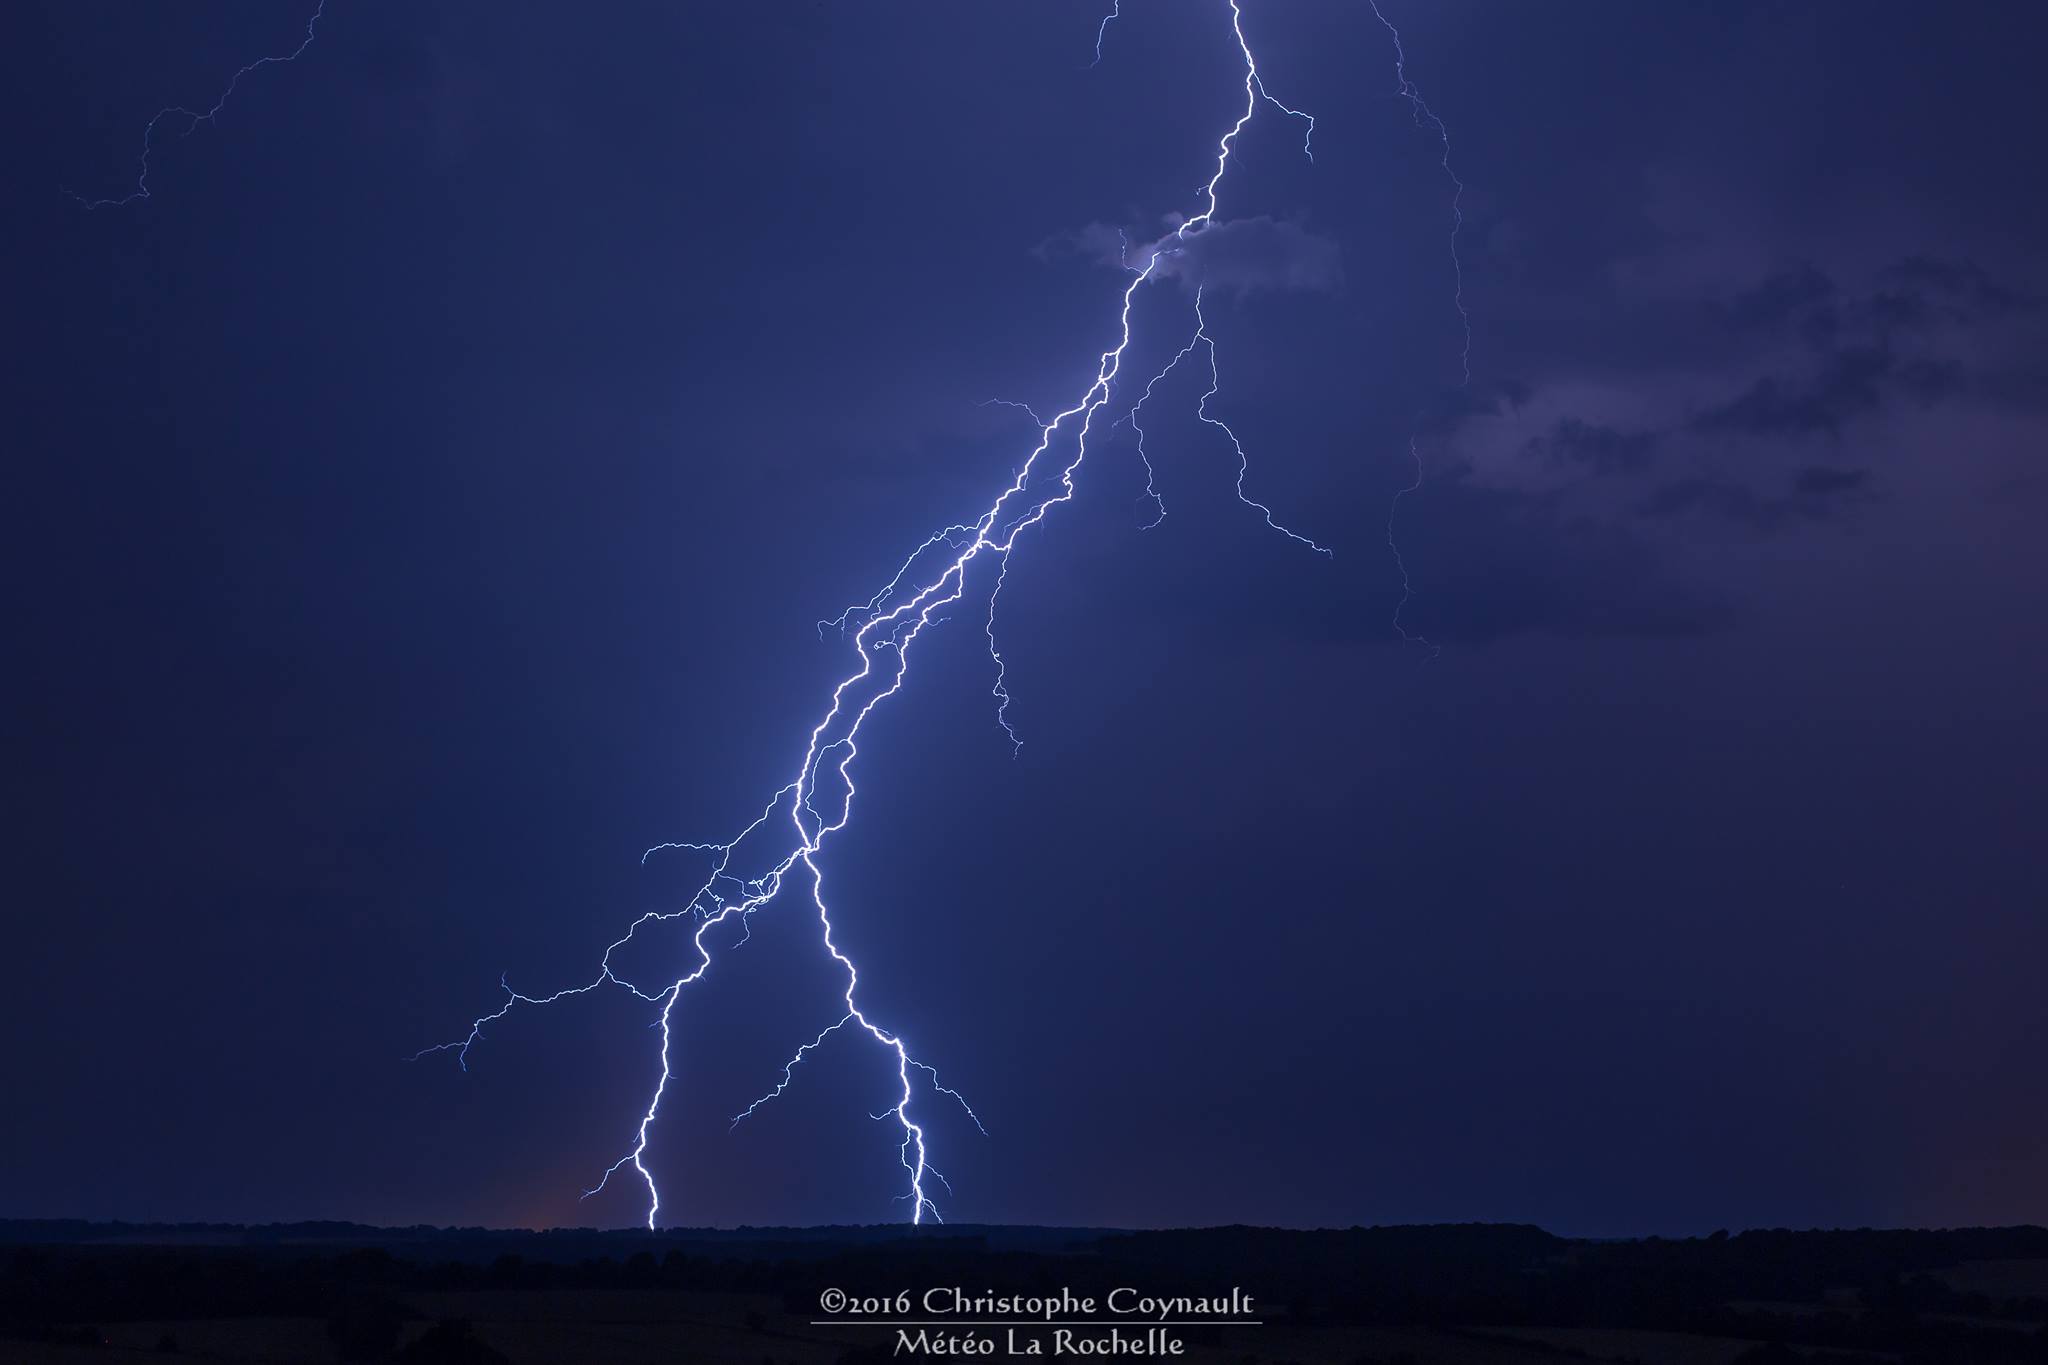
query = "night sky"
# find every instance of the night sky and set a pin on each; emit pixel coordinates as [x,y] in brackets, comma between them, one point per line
[420,506]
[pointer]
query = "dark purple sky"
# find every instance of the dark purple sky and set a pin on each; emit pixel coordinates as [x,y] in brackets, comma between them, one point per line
[420,506]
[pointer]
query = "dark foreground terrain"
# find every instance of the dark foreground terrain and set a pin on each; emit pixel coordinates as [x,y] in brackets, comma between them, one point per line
[1472,1294]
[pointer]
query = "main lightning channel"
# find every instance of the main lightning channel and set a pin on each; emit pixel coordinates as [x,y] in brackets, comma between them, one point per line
[818,801]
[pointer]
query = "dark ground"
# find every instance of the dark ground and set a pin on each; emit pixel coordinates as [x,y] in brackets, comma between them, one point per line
[1482,1294]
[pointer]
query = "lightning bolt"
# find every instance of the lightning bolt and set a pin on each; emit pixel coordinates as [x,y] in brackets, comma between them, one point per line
[787,838]
[1131,417]
[1244,461]
[193,118]
[1426,119]
[1116,10]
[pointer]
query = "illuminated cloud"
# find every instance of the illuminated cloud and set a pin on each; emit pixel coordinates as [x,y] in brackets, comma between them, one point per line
[1238,255]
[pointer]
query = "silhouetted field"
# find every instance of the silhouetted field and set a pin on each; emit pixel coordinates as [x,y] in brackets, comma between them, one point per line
[1462,1295]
